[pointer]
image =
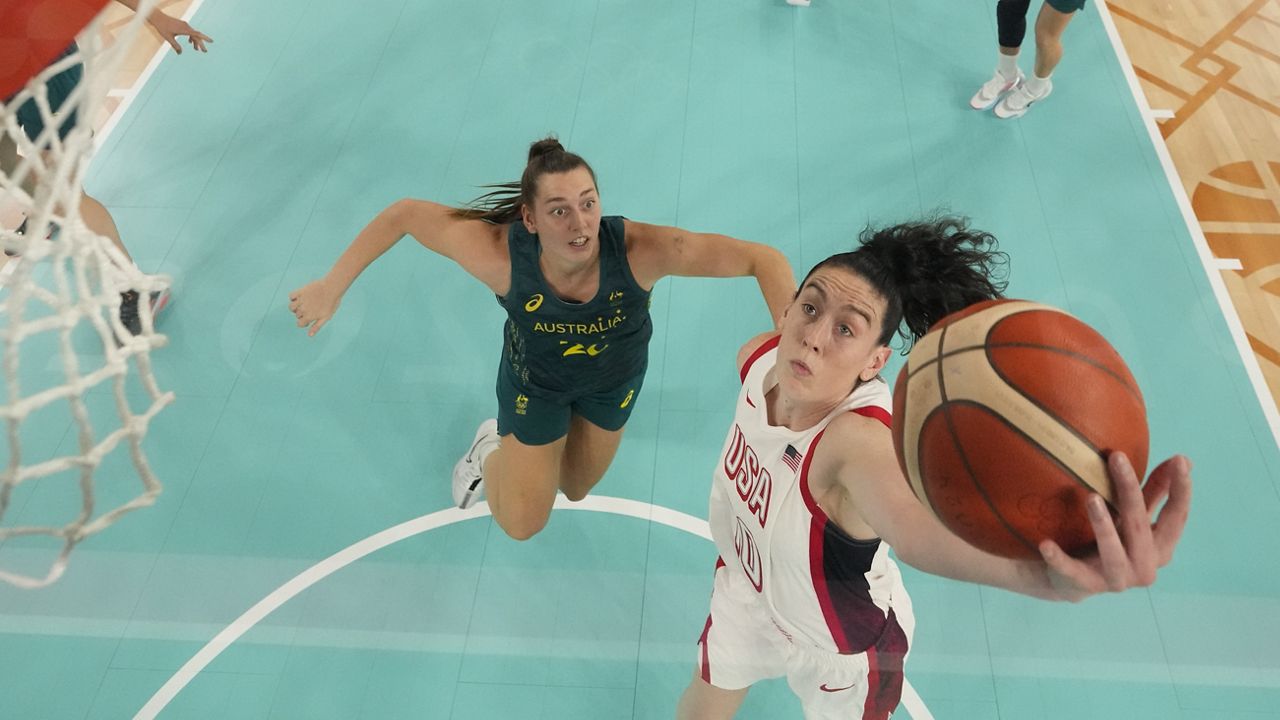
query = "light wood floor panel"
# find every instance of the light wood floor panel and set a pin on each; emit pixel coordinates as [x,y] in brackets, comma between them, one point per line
[1217,66]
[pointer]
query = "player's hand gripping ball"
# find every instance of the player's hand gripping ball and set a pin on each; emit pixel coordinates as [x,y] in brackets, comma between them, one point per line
[1002,420]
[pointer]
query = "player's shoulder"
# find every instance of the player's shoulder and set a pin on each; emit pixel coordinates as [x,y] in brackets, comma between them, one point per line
[854,434]
[859,423]
[849,441]
[754,348]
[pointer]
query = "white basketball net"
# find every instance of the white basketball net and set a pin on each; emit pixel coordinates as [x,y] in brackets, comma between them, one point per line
[65,350]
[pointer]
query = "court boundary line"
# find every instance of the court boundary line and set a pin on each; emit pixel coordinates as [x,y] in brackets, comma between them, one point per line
[1234,326]
[324,568]
[132,92]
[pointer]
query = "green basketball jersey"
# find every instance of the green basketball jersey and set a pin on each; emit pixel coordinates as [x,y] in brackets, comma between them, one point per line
[556,346]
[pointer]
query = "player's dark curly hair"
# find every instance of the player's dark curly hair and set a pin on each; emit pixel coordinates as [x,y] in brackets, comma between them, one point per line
[502,205]
[925,270]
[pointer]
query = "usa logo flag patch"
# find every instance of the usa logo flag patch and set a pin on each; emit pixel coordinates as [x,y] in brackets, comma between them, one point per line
[792,457]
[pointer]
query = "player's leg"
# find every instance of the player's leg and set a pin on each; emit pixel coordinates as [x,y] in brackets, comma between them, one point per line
[1011,26]
[521,482]
[1050,24]
[704,701]
[739,647]
[594,434]
[588,451]
[515,460]
[98,219]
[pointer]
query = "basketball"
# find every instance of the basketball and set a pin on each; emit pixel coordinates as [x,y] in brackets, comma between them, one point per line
[1004,415]
[33,32]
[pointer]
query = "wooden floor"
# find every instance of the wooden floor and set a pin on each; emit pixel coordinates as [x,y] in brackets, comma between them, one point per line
[1214,66]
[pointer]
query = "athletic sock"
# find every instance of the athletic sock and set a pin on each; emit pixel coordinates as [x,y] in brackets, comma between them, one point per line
[1008,66]
[1037,85]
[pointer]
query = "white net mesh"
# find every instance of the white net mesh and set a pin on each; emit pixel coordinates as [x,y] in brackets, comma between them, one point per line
[78,383]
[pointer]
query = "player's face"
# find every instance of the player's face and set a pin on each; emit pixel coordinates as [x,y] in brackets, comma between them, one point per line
[566,214]
[831,337]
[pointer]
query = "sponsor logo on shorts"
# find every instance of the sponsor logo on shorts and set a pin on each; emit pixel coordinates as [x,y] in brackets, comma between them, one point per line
[823,687]
[522,404]
[627,400]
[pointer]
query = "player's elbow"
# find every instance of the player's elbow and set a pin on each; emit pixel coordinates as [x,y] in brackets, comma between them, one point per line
[398,213]
[767,259]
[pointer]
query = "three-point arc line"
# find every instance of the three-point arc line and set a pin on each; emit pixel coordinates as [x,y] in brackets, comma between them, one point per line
[326,567]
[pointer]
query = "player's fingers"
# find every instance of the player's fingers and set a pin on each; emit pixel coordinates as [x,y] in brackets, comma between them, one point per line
[316,328]
[1111,552]
[1156,490]
[173,43]
[1081,580]
[1135,522]
[1173,516]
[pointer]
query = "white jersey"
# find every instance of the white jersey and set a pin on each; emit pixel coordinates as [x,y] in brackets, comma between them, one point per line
[820,585]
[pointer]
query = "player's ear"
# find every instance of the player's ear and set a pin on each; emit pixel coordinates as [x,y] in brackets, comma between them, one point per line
[526,216]
[876,363]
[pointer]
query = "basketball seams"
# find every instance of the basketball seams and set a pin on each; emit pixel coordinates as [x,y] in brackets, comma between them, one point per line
[935,348]
[1106,497]
[1006,395]
[1128,382]
[945,408]
[919,397]
[1031,442]
[1034,420]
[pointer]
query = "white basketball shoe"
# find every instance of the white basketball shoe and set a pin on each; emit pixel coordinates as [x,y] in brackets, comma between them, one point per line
[1020,99]
[993,89]
[468,480]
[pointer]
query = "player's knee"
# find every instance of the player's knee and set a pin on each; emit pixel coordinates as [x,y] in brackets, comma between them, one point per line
[576,491]
[523,528]
[1048,40]
[524,523]
[576,486]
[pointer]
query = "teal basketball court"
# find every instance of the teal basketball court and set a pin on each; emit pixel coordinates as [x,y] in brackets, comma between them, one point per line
[245,172]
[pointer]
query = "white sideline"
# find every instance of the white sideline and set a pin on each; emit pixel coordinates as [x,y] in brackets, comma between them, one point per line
[130,94]
[1251,367]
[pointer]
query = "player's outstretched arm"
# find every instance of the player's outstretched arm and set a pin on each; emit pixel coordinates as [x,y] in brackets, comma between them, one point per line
[1130,550]
[660,251]
[475,245]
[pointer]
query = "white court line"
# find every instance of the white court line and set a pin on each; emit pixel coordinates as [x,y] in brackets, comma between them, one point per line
[131,94]
[1269,409]
[1161,114]
[323,569]
[1228,264]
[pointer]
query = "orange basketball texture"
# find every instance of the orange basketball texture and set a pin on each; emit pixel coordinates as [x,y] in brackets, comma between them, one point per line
[1002,420]
[33,32]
